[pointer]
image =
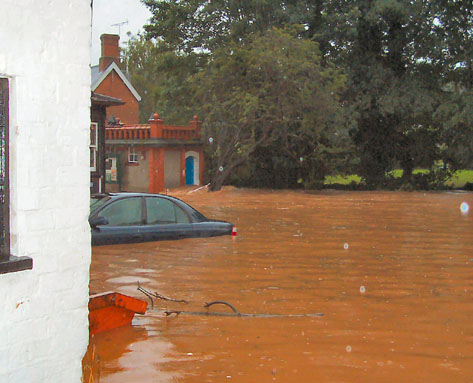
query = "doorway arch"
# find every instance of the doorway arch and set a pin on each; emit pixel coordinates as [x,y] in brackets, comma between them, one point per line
[192,168]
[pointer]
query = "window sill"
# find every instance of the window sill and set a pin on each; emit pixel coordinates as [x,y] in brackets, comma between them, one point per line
[14,264]
[132,164]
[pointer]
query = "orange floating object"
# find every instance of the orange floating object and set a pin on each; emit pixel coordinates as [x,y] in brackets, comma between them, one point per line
[111,310]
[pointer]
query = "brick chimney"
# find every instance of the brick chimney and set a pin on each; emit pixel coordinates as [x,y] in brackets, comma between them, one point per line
[110,51]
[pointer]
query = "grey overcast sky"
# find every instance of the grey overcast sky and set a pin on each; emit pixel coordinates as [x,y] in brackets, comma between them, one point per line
[109,12]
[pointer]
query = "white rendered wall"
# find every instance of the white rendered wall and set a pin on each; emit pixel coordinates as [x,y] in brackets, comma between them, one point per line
[44,51]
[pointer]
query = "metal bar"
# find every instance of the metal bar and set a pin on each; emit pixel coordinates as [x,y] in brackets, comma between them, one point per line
[233,314]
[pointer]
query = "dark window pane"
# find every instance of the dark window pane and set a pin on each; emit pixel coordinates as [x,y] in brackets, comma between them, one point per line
[181,217]
[93,134]
[162,211]
[92,158]
[4,192]
[96,202]
[124,212]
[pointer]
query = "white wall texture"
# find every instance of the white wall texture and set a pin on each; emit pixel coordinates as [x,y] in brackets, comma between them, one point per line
[44,51]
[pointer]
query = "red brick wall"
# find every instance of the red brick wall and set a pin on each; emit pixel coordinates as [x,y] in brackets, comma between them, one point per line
[113,86]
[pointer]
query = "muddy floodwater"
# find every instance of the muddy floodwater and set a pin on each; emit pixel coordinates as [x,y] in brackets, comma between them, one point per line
[392,274]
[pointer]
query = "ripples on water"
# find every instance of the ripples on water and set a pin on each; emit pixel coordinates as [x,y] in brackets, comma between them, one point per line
[392,272]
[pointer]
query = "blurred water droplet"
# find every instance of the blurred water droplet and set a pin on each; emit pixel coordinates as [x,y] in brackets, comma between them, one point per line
[362,289]
[220,168]
[345,246]
[211,139]
[464,207]
[348,348]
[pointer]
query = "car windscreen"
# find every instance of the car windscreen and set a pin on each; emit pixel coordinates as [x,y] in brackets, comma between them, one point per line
[98,201]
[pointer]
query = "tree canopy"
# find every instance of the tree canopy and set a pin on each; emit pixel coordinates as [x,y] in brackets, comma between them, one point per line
[270,94]
[376,84]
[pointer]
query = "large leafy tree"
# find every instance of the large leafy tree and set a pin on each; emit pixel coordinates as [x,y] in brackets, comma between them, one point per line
[409,66]
[207,25]
[409,73]
[453,54]
[270,93]
[390,96]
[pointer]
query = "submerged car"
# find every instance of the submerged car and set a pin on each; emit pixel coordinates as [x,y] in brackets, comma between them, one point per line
[140,217]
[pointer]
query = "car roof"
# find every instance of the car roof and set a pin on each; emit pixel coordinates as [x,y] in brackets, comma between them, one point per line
[117,195]
[128,194]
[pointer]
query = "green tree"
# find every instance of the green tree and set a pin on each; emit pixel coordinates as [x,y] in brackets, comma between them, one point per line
[453,54]
[409,78]
[162,76]
[391,94]
[207,25]
[270,93]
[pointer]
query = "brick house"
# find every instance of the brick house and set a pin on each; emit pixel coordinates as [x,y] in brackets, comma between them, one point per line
[154,157]
[142,157]
[109,79]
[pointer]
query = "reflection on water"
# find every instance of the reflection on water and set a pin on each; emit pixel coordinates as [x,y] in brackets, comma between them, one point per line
[392,272]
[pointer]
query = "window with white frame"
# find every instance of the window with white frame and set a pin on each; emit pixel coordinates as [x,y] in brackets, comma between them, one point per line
[94,137]
[8,262]
[132,155]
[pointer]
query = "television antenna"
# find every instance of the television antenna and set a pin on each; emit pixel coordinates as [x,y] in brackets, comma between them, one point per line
[119,25]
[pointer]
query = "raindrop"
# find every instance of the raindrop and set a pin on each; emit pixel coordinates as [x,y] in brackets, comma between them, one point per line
[345,246]
[362,289]
[464,207]
[220,168]
[348,348]
[301,159]
[211,139]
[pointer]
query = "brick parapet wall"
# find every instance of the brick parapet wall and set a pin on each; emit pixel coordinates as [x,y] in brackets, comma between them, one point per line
[155,129]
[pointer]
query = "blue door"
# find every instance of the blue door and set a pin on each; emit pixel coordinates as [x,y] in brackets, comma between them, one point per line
[190,170]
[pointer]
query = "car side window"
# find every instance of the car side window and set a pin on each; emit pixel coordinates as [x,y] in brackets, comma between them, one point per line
[161,211]
[124,212]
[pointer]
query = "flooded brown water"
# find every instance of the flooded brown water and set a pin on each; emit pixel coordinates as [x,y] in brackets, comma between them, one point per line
[391,272]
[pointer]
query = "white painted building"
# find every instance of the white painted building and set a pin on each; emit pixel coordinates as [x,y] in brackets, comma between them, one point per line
[45,75]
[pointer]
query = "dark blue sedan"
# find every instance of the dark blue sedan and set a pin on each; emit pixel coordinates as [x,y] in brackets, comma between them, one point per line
[140,217]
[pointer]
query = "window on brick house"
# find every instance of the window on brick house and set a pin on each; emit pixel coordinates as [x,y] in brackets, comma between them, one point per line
[8,263]
[132,155]
[94,137]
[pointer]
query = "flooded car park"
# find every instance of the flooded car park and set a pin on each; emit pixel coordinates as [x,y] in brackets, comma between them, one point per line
[391,272]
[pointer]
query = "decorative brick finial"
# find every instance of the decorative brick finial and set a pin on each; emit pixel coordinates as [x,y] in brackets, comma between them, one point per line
[156,126]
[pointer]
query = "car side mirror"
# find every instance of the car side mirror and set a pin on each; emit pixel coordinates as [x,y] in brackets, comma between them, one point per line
[98,221]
